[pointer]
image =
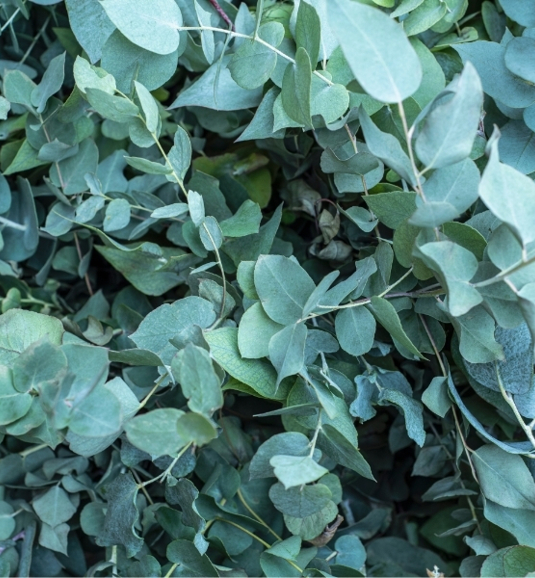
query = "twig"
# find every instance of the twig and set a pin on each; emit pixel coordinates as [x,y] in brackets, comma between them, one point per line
[507,397]
[408,137]
[222,13]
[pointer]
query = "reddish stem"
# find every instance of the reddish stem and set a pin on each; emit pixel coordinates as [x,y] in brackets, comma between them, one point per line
[222,13]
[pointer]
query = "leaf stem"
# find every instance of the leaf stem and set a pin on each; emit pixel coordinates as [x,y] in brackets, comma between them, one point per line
[506,272]
[163,475]
[408,138]
[457,426]
[10,20]
[255,515]
[32,449]
[445,374]
[509,400]
[255,39]
[151,392]
[366,300]
[80,256]
[222,13]
[12,224]
[34,42]
[314,439]
[168,162]
[171,570]
[141,486]
[222,270]
[396,283]
[258,539]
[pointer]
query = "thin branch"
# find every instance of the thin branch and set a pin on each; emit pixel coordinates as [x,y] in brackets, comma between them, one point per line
[248,37]
[445,374]
[80,256]
[509,401]
[222,13]
[408,137]
[255,515]
[10,20]
[506,272]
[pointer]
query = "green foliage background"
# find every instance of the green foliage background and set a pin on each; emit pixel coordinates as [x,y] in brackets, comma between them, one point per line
[267,278]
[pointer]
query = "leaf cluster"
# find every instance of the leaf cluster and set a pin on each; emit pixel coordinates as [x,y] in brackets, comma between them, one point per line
[267,288]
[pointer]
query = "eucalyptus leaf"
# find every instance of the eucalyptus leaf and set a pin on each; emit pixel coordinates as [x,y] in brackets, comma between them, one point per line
[389,72]
[153,28]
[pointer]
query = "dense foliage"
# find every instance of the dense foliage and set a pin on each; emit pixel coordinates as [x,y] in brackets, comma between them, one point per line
[267,278]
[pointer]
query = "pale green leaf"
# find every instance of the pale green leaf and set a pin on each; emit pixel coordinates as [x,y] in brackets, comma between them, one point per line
[423,17]
[246,221]
[386,147]
[388,71]
[504,478]
[355,330]
[13,404]
[387,316]
[192,368]
[40,362]
[168,321]
[196,429]
[255,331]
[180,154]
[54,507]
[312,526]
[448,131]
[433,80]
[300,502]
[510,196]
[455,266]
[50,83]
[148,106]
[515,372]
[294,470]
[258,375]
[74,169]
[296,89]
[448,193]
[146,166]
[521,11]
[117,215]
[128,62]
[412,410]
[151,26]
[287,350]
[5,107]
[18,87]
[498,82]
[308,31]
[156,432]
[287,443]
[510,561]
[519,523]
[253,63]
[476,337]
[217,90]
[436,398]
[283,287]
[90,25]
[96,415]
[210,234]
[115,108]
[20,328]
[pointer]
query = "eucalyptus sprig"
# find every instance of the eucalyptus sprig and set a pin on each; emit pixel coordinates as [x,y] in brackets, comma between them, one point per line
[267,280]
